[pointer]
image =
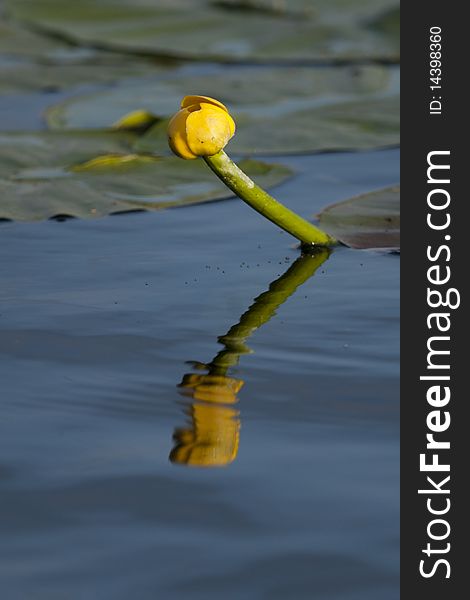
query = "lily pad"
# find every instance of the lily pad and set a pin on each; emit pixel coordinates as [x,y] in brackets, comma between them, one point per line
[94,174]
[277,110]
[33,62]
[336,30]
[367,221]
[19,42]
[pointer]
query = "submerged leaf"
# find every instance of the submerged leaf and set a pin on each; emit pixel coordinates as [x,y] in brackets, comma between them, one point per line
[94,174]
[120,162]
[136,120]
[277,110]
[203,29]
[367,221]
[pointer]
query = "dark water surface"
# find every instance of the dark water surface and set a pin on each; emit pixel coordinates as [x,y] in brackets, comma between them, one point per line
[98,320]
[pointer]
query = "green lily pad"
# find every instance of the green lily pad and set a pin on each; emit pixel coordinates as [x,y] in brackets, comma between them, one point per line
[367,221]
[19,42]
[270,7]
[94,174]
[336,30]
[33,62]
[277,110]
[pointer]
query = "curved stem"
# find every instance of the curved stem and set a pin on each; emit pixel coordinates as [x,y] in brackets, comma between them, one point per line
[257,198]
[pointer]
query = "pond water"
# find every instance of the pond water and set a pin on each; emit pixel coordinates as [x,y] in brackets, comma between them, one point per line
[99,320]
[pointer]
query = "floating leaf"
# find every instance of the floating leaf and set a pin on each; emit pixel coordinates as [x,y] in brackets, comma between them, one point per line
[330,31]
[367,221]
[277,110]
[271,7]
[93,174]
[19,42]
[388,22]
[33,62]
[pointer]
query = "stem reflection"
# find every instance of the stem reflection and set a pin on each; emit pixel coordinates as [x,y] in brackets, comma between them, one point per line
[211,438]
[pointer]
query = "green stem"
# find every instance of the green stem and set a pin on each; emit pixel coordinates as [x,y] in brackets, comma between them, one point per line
[257,198]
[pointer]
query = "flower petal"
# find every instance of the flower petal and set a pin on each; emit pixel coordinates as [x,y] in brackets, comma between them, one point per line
[208,130]
[191,100]
[177,138]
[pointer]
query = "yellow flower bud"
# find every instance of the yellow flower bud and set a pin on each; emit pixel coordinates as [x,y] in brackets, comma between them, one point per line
[202,127]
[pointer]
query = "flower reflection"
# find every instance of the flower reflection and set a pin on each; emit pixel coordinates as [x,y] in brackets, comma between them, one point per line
[212,436]
[212,439]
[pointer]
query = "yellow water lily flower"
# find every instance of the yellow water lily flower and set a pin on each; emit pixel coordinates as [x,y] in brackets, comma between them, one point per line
[202,127]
